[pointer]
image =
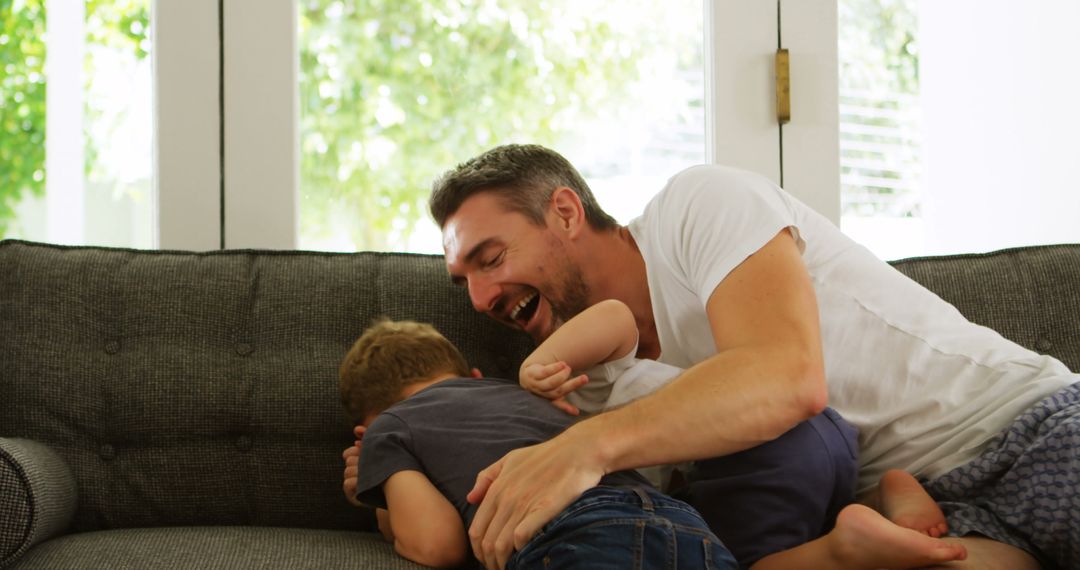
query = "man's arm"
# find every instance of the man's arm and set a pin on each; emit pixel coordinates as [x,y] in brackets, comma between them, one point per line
[426,527]
[600,333]
[767,376]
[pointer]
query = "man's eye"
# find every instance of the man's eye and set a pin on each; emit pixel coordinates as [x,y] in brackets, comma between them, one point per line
[494,261]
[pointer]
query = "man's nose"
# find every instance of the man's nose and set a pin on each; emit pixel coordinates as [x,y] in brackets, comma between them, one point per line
[483,293]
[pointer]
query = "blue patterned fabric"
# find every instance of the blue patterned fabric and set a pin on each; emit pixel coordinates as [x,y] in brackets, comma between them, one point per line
[1024,490]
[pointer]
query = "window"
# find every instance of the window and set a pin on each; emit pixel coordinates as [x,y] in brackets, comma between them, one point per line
[393,93]
[76,138]
[880,126]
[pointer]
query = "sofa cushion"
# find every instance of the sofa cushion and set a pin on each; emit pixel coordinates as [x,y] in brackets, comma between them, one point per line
[191,389]
[215,548]
[1029,294]
[37,496]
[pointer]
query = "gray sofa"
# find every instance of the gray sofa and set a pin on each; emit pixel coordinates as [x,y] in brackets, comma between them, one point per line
[180,410]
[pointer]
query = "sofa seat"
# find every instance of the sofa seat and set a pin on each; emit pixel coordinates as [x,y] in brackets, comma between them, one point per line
[227,548]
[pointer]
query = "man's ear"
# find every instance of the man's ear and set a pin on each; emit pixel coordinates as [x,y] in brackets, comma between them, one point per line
[567,209]
[476,373]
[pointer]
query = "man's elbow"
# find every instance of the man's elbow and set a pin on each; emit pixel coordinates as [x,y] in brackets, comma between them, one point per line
[811,393]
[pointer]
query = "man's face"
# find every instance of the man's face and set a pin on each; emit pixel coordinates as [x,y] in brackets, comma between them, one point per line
[517,272]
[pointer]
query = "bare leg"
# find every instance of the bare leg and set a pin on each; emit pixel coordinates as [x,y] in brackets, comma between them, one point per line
[906,503]
[864,539]
[986,554]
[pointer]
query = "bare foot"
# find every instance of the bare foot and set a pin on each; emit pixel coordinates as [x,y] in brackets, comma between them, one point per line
[906,503]
[863,538]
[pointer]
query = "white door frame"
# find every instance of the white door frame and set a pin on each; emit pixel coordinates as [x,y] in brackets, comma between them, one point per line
[741,41]
[257,166]
[187,133]
[262,117]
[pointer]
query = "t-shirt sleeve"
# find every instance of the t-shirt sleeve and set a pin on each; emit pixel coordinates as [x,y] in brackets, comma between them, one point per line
[714,218]
[386,449]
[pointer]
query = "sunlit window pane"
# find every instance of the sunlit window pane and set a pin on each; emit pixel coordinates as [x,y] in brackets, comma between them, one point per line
[881,160]
[76,142]
[394,92]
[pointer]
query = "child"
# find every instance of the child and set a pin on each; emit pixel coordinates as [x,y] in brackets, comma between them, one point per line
[430,430]
[427,431]
[602,340]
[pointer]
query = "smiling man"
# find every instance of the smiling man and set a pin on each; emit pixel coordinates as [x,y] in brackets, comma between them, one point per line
[726,275]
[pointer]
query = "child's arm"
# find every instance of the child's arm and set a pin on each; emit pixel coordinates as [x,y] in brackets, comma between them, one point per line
[426,527]
[600,333]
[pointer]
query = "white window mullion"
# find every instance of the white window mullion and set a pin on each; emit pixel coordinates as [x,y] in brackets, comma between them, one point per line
[811,140]
[261,122]
[64,154]
[187,130]
[740,46]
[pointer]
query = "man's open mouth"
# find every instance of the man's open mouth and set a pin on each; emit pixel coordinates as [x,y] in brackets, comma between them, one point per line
[523,312]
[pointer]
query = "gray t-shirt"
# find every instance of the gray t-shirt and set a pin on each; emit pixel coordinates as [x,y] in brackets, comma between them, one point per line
[452,430]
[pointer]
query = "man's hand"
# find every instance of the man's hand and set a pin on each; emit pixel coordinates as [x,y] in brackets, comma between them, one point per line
[524,490]
[352,467]
[553,381]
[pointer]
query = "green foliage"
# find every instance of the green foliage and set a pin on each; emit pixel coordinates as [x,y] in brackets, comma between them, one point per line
[393,92]
[878,47]
[879,85]
[22,104]
[123,25]
[119,24]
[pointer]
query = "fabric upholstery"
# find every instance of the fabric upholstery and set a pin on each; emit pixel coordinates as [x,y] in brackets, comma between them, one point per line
[216,548]
[1031,295]
[198,391]
[201,388]
[37,496]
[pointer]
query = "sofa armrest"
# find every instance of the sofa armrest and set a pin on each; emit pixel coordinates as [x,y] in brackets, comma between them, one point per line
[37,496]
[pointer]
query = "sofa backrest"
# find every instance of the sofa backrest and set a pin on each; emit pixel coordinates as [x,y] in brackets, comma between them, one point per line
[1031,295]
[201,388]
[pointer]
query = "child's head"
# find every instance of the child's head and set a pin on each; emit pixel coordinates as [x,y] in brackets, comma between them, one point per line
[387,358]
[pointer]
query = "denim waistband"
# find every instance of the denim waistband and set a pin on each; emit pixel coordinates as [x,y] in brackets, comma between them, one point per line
[647,498]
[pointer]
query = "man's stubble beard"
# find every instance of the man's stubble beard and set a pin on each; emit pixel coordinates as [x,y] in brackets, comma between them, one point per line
[575,294]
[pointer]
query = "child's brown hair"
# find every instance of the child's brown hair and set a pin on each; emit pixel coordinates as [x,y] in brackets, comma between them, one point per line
[389,356]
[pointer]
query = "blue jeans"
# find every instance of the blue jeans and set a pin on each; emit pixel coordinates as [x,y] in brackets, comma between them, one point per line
[620,528]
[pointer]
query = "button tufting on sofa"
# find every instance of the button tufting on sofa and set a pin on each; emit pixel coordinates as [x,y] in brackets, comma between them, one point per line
[214,351]
[107,452]
[243,443]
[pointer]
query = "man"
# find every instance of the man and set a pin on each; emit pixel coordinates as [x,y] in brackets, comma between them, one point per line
[726,276]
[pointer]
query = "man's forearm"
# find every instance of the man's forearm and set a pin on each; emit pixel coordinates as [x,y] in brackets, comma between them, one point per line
[600,333]
[767,374]
[731,402]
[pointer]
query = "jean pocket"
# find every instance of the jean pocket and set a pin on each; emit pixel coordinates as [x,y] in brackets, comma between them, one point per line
[717,556]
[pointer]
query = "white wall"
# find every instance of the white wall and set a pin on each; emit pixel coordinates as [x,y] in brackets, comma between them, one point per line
[999,91]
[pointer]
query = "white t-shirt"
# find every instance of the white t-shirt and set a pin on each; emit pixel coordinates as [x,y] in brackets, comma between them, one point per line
[621,381]
[926,387]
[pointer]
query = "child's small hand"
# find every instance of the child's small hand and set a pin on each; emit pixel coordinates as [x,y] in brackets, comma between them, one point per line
[352,467]
[553,381]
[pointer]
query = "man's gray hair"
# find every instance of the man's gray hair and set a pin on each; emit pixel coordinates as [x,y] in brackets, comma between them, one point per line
[523,177]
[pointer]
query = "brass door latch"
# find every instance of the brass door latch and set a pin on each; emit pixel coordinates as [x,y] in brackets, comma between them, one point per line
[783,87]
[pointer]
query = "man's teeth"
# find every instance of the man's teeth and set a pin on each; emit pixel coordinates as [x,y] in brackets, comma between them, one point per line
[520,306]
